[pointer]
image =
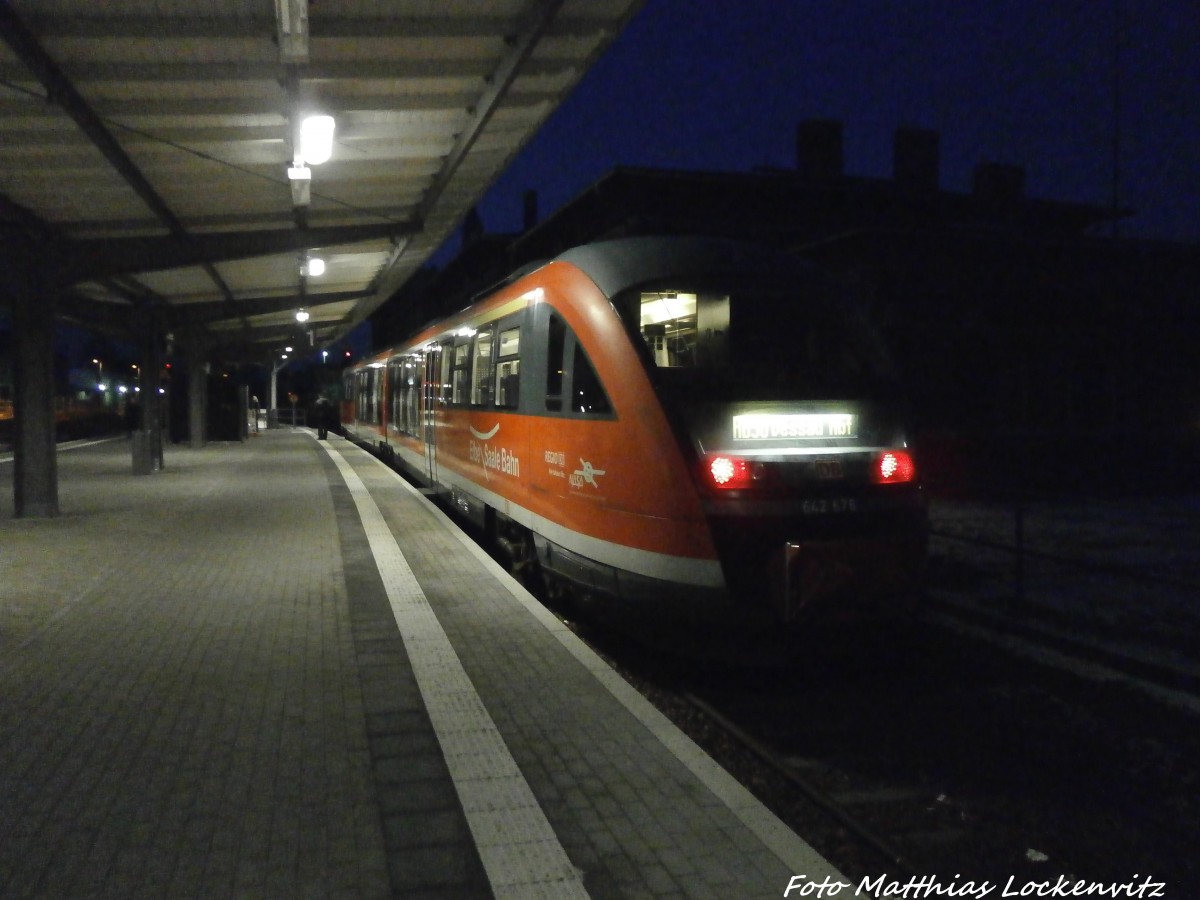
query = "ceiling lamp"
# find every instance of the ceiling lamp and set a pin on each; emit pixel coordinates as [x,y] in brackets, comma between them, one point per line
[301,315]
[316,267]
[316,140]
[313,146]
[300,178]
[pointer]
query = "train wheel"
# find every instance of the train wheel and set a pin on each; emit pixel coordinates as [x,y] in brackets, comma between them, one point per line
[516,546]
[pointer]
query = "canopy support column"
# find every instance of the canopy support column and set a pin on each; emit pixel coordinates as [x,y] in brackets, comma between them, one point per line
[197,367]
[35,461]
[148,440]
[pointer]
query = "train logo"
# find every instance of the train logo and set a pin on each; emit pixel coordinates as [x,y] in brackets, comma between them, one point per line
[493,459]
[586,475]
[485,435]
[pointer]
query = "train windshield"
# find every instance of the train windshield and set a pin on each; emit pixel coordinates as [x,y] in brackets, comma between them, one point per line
[759,341]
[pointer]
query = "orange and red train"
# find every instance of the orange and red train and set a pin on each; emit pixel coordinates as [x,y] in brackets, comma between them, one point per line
[687,425]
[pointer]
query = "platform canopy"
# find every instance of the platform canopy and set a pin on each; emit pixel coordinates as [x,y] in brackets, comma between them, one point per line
[145,148]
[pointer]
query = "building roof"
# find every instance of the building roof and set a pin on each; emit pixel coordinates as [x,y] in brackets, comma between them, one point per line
[794,210]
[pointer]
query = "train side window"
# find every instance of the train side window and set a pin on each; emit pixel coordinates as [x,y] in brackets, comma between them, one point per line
[569,373]
[404,378]
[395,376]
[481,368]
[413,384]
[555,361]
[508,368]
[587,393]
[377,409]
[461,374]
[445,378]
[369,390]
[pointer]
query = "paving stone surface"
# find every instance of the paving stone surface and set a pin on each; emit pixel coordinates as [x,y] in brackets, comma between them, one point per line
[206,691]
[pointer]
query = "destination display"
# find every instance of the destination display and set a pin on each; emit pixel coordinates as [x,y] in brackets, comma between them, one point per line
[794,426]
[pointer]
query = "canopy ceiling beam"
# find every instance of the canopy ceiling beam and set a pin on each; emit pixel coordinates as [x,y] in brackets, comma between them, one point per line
[109,72]
[521,45]
[200,313]
[61,91]
[267,339]
[179,27]
[109,257]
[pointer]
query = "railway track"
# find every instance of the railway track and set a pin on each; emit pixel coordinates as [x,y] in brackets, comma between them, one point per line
[953,760]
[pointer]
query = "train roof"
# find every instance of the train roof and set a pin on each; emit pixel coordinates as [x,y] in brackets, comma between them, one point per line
[619,264]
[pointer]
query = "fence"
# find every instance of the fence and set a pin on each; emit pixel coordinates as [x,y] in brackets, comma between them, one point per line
[1127,568]
[293,417]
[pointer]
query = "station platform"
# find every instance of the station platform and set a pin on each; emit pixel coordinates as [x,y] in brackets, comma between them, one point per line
[275,670]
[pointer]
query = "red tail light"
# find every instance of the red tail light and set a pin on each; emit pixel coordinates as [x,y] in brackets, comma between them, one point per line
[893,467]
[728,472]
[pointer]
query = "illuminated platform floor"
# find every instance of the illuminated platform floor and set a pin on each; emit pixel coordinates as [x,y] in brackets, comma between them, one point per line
[274,670]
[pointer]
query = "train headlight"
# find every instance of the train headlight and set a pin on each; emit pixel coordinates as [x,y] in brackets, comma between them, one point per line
[893,467]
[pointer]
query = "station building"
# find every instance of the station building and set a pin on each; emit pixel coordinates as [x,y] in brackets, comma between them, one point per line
[1036,342]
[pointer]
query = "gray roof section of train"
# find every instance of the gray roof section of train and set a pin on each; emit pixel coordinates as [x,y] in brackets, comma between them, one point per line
[623,263]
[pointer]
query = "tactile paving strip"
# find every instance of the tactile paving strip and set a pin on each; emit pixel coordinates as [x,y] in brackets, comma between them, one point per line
[519,849]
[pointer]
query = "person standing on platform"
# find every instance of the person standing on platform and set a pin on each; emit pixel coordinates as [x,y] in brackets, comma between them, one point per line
[324,416]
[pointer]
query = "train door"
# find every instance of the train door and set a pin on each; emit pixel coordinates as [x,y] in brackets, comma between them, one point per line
[430,395]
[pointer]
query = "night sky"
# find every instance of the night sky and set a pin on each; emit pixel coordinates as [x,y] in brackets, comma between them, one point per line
[720,85]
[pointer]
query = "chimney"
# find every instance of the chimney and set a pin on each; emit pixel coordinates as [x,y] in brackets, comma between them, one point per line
[529,209]
[819,148]
[916,162]
[999,186]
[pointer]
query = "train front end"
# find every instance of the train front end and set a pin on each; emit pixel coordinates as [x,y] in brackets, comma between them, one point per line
[815,506]
[787,402]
